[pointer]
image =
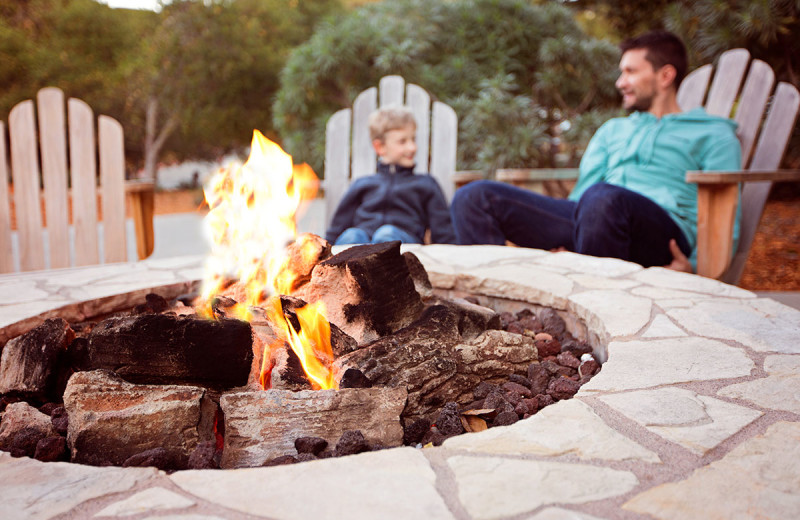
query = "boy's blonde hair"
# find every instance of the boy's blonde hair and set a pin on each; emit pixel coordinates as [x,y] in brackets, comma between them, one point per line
[391,117]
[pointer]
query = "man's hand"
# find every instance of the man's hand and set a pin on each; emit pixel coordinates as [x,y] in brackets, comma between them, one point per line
[679,261]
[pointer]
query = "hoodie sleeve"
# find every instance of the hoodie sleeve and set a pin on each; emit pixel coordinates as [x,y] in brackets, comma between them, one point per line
[439,216]
[344,215]
[594,162]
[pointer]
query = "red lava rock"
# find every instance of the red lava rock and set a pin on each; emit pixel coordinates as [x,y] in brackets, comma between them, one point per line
[557,370]
[48,408]
[576,348]
[505,418]
[515,327]
[312,445]
[350,443]
[506,318]
[495,400]
[449,421]
[51,449]
[553,323]
[281,461]
[562,388]
[532,404]
[523,391]
[204,456]
[567,359]
[25,442]
[546,345]
[513,398]
[539,378]
[531,324]
[520,380]
[157,457]
[522,408]
[588,368]
[306,457]
[483,389]
[545,400]
[433,436]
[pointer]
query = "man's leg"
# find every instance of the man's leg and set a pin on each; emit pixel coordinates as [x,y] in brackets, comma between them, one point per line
[352,235]
[616,222]
[388,233]
[487,212]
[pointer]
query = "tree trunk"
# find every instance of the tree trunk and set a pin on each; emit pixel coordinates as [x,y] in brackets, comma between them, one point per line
[153,140]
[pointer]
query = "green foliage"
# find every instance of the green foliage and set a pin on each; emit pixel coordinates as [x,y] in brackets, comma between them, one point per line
[490,59]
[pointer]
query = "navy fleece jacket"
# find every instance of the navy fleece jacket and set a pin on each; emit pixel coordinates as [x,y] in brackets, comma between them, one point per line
[394,195]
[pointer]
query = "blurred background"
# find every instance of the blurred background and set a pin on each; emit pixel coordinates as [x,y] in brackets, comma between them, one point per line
[530,80]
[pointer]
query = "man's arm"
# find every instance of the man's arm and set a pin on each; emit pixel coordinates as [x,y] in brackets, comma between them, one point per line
[594,162]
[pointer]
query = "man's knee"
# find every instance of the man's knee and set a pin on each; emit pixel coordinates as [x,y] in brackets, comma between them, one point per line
[601,201]
[470,195]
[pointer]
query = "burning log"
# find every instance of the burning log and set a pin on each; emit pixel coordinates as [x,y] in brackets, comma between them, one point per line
[261,426]
[435,364]
[161,348]
[367,290]
[29,366]
[302,256]
[111,420]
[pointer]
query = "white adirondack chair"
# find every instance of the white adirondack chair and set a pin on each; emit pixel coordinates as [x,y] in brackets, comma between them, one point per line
[717,191]
[67,180]
[348,149]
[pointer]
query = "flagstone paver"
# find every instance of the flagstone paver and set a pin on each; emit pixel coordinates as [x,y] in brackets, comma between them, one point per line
[570,428]
[695,413]
[757,479]
[696,422]
[492,487]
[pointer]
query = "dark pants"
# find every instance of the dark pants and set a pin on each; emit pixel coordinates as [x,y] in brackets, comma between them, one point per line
[607,221]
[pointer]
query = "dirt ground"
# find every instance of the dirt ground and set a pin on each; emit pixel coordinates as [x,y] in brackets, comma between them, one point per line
[773,265]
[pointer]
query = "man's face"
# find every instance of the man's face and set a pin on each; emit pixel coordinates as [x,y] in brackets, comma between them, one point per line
[399,146]
[637,81]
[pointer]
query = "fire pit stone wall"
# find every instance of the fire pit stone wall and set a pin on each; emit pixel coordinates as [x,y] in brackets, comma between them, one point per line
[697,397]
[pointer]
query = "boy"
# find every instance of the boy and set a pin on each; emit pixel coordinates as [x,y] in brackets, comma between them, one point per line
[394,203]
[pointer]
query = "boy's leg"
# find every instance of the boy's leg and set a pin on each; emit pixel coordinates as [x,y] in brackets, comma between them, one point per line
[352,235]
[388,233]
[488,212]
[616,222]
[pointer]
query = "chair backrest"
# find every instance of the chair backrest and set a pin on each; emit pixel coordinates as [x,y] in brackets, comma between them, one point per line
[348,150]
[67,147]
[746,98]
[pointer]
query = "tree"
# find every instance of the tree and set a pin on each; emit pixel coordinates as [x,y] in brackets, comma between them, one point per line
[488,58]
[210,70]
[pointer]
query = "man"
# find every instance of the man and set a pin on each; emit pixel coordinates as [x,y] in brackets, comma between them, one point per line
[631,200]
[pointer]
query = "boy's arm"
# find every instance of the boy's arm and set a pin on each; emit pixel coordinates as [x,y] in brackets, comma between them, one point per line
[439,216]
[345,212]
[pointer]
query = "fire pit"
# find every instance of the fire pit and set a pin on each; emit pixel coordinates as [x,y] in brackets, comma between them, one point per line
[698,394]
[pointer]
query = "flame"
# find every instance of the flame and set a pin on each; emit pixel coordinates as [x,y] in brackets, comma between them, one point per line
[251,220]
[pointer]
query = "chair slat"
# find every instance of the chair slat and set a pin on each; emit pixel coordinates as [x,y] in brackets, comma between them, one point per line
[692,91]
[25,176]
[772,142]
[111,144]
[83,168]
[53,146]
[6,251]
[337,159]
[418,100]
[727,79]
[391,90]
[752,104]
[443,143]
[363,153]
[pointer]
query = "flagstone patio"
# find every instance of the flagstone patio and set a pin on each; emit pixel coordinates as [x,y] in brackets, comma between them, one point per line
[695,414]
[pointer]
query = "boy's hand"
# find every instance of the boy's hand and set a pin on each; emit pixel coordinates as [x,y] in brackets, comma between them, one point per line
[679,261]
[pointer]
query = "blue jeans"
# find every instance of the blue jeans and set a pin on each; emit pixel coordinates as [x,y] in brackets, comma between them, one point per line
[385,233]
[608,221]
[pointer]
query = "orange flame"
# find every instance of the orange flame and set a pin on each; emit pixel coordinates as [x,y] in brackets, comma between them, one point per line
[251,220]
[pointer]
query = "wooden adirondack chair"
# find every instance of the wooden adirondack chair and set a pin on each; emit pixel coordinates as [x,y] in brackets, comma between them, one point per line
[347,136]
[717,191]
[68,184]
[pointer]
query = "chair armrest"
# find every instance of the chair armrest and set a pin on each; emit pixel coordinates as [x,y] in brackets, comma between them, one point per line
[524,175]
[141,197]
[717,197]
[701,177]
[460,178]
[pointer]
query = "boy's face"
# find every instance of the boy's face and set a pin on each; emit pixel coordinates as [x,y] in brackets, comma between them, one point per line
[399,146]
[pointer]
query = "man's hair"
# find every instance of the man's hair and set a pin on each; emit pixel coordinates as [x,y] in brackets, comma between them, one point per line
[663,48]
[391,117]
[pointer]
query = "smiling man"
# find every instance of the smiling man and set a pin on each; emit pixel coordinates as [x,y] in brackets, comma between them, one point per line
[631,200]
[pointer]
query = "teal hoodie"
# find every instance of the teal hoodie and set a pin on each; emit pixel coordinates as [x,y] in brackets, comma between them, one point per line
[651,156]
